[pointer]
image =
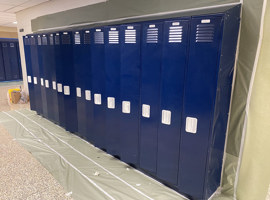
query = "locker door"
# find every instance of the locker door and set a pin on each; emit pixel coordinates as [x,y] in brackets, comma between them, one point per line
[10,56]
[150,87]
[6,59]
[58,84]
[42,43]
[2,68]
[70,104]
[174,62]
[47,64]
[51,84]
[130,92]
[82,67]
[35,70]
[19,60]
[27,53]
[113,103]
[199,99]
[98,86]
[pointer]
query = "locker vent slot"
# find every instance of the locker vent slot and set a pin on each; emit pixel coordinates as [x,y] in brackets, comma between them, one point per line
[77,38]
[152,35]
[66,39]
[175,34]
[99,37]
[4,45]
[51,40]
[86,38]
[44,41]
[11,44]
[57,39]
[114,37]
[205,32]
[130,36]
[39,40]
[33,41]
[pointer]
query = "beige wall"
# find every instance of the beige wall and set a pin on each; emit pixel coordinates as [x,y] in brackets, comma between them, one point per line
[8,32]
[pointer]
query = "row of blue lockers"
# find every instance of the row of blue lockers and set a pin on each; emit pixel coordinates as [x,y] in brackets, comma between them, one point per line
[10,62]
[155,94]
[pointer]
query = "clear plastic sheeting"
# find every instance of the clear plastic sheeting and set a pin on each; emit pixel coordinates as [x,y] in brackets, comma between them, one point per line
[83,170]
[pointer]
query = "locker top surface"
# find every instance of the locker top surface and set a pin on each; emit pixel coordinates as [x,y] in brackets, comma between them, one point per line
[219,10]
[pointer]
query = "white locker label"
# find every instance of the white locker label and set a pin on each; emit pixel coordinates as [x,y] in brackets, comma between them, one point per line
[146,110]
[59,87]
[66,90]
[42,81]
[29,79]
[111,102]
[46,83]
[126,106]
[191,125]
[97,98]
[88,95]
[79,92]
[166,117]
[54,85]
[35,80]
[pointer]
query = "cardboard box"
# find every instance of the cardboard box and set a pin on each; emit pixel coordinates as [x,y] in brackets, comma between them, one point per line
[15,96]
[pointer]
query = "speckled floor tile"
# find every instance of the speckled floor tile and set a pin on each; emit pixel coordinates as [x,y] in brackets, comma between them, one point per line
[22,176]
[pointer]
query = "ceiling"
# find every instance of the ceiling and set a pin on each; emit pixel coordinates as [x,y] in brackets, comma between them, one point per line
[8,8]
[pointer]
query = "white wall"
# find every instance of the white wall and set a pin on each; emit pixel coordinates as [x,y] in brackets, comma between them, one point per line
[24,18]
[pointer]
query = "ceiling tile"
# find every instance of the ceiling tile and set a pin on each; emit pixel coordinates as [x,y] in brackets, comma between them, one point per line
[15,9]
[4,7]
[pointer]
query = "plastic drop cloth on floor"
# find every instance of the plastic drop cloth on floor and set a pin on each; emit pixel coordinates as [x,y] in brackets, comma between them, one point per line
[84,171]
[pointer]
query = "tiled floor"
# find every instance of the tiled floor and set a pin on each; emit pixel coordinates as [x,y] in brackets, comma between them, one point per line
[21,175]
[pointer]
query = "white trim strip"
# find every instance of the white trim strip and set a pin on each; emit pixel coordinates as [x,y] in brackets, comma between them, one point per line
[39,140]
[142,16]
[249,97]
[87,157]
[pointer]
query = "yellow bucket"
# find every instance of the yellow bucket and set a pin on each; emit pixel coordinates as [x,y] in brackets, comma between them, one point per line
[10,91]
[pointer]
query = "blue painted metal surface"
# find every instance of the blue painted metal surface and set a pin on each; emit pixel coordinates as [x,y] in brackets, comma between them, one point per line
[130,92]
[98,87]
[35,71]
[10,58]
[48,63]
[2,67]
[27,43]
[151,54]
[82,71]
[199,100]
[112,83]
[59,79]
[41,48]
[70,105]
[174,64]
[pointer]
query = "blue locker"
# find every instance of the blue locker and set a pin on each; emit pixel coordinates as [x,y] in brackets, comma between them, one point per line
[57,84]
[11,62]
[19,60]
[48,63]
[2,67]
[98,86]
[206,102]
[69,89]
[174,63]
[42,43]
[113,103]
[35,71]
[151,55]
[82,69]
[27,53]
[130,92]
